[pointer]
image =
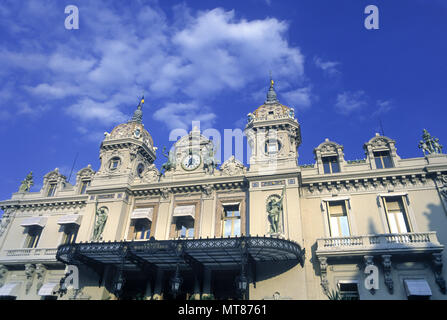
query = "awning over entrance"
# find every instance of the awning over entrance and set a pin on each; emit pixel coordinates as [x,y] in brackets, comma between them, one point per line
[215,254]
[10,289]
[185,211]
[48,289]
[143,213]
[70,218]
[34,221]
[417,287]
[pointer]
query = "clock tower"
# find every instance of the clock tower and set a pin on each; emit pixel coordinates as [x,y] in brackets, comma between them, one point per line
[128,152]
[274,135]
[192,155]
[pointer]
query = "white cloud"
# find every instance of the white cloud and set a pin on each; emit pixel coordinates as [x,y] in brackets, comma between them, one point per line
[299,98]
[383,106]
[194,58]
[181,115]
[89,110]
[329,67]
[348,102]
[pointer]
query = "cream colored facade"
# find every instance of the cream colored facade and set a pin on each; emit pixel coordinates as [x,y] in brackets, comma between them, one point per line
[342,221]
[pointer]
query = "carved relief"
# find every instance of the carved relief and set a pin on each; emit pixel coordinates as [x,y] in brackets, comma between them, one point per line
[442,183]
[207,190]
[437,268]
[5,220]
[151,175]
[29,272]
[233,167]
[323,274]
[40,273]
[3,273]
[386,262]
[164,192]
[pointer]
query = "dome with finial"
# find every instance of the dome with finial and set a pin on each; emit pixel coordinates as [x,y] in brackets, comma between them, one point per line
[133,128]
[272,108]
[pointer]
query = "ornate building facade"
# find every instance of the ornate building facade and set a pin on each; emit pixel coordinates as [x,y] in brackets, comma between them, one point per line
[365,229]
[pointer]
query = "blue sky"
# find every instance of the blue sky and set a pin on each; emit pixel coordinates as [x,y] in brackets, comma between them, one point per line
[60,90]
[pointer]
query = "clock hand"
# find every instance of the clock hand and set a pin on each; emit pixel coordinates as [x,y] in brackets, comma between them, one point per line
[190,162]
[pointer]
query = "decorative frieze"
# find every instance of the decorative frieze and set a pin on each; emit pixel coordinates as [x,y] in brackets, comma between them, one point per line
[273,183]
[106,196]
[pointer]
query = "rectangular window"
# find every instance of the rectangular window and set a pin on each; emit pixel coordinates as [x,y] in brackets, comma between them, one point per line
[338,219]
[33,237]
[396,215]
[141,229]
[51,189]
[383,159]
[231,223]
[84,185]
[70,233]
[185,227]
[330,165]
[348,290]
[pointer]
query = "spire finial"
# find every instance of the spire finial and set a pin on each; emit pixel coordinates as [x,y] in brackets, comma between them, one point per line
[138,114]
[271,94]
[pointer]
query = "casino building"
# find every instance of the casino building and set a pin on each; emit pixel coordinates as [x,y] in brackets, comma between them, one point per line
[336,229]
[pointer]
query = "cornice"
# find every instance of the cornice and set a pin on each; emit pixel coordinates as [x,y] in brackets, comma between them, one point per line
[45,202]
[371,174]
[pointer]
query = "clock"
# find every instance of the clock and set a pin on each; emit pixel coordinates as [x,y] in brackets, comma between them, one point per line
[191,162]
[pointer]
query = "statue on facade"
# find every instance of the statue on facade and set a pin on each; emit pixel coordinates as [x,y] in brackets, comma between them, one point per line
[5,220]
[209,160]
[275,211]
[169,164]
[27,183]
[100,222]
[429,144]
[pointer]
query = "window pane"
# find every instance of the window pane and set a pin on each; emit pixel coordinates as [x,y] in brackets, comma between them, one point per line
[334,227]
[183,232]
[227,227]
[191,233]
[237,227]
[378,163]
[344,226]
[402,225]
[335,167]
[387,162]
[326,167]
[51,190]
[392,222]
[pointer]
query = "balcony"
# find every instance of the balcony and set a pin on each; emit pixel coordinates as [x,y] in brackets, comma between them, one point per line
[28,255]
[421,242]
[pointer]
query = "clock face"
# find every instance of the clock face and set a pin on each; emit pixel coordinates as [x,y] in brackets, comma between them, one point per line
[191,162]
